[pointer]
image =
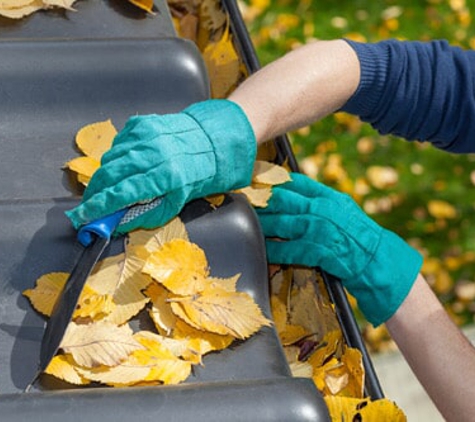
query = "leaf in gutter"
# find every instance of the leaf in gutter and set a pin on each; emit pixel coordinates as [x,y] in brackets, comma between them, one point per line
[99,343]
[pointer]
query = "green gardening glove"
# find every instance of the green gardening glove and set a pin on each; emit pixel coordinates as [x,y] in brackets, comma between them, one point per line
[164,161]
[317,226]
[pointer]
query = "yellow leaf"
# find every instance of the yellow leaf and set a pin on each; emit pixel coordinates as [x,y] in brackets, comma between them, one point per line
[84,167]
[95,139]
[223,65]
[180,266]
[93,305]
[212,15]
[216,200]
[288,333]
[164,365]
[154,239]
[228,284]
[48,287]
[16,9]
[129,372]
[106,274]
[61,367]
[187,349]
[154,362]
[257,196]
[161,311]
[291,334]
[309,310]
[279,313]
[344,376]
[350,409]
[301,369]
[98,343]
[441,209]
[329,346]
[128,290]
[281,284]
[46,292]
[146,5]
[353,361]
[207,341]
[269,174]
[221,312]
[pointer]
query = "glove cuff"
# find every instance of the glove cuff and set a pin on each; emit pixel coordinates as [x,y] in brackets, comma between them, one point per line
[233,140]
[387,279]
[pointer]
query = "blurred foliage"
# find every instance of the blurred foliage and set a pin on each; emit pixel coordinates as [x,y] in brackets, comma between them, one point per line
[425,195]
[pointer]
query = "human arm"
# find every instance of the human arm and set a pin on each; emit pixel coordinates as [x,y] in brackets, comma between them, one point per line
[415,90]
[437,351]
[299,88]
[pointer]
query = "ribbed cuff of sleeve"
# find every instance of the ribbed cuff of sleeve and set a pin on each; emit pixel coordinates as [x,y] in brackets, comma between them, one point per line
[374,60]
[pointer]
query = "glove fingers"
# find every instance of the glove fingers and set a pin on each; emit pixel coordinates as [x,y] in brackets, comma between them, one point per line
[309,254]
[143,156]
[284,201]
[312,231]
[307,187]
[287,226]
[304,196]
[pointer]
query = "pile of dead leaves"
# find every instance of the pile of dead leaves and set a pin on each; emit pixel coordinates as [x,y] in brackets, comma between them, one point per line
[313,342]
[161,273]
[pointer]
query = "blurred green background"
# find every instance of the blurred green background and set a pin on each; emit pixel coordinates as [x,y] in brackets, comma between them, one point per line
[425,195]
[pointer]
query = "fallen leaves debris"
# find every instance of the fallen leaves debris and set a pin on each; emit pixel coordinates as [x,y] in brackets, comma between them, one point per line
[164,275]
[314,346]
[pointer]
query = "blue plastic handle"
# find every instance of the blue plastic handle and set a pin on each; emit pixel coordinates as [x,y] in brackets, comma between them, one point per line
[103,227]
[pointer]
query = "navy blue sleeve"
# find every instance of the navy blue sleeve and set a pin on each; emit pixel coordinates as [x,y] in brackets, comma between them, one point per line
[417,90]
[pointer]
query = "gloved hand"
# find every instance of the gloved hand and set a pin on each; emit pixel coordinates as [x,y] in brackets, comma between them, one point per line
[207,148]
[317,226]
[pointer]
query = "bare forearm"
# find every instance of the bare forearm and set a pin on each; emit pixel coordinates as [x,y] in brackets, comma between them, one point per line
[437,351]
[300,88]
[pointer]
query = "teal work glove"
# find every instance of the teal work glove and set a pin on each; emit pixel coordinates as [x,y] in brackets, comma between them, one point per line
[207,148]
[317,226]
